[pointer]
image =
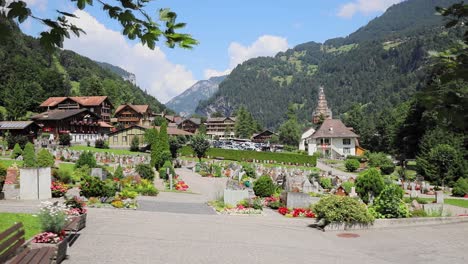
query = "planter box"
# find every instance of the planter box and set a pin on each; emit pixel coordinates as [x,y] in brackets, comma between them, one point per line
[60,249]
[77,224]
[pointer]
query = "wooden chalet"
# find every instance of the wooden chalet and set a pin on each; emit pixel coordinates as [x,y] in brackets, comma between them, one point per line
[263,137]
[129,115]
[99,105]
[190,124]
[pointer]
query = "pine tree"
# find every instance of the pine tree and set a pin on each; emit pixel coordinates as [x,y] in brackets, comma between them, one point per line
[29,156]
[119,172]
[45,159]
[17,151]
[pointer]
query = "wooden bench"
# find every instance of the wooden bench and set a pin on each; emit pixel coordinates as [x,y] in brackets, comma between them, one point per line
[14,250]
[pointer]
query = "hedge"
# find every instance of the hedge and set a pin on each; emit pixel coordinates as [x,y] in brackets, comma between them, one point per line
[246,155]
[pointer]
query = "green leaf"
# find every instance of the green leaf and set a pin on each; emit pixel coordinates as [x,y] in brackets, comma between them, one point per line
[19,10]
[66,14]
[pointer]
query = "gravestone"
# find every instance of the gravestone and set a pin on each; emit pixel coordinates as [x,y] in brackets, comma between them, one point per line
[413,193]
[233,197]
[439,197]
[35,183]
[99,173]
[353,193]
[307,187]
[298,200]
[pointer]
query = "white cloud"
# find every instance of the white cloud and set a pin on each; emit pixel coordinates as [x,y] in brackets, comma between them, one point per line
[265,45]
[40,4]
[348,10]
[154,72]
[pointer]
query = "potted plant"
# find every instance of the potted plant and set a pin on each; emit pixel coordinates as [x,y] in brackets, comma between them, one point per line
[77,209]
[53,218]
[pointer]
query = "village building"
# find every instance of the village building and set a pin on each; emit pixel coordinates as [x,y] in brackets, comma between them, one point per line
[321,112]
[99,105]
[81,124]
[304,143]
[129,115]
[122,139]
[220,127]
[190,124]
[333,140]
[17,128]
[263,137]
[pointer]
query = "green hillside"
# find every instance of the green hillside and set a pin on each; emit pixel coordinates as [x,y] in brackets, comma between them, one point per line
[380,66]
[29,75]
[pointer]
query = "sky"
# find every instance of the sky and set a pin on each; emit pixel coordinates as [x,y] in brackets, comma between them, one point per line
[229,31]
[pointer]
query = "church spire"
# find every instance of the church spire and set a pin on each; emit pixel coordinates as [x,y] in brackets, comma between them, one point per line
[321,111]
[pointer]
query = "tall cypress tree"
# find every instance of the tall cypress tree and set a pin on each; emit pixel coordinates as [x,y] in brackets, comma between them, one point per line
[29,156]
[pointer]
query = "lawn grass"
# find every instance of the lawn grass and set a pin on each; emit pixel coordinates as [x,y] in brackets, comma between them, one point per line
[31,223]
[8,162]
[114,151]
[67,166]
[457,202]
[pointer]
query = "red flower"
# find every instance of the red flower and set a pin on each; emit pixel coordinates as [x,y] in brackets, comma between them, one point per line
[283,210]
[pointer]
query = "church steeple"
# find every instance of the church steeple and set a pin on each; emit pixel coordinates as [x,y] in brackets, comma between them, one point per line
[321,111]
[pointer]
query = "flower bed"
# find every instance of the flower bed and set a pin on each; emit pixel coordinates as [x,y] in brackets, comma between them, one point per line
[241,210]
[296,212]
[58,189]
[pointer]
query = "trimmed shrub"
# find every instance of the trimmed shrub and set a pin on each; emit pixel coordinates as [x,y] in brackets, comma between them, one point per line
[17,151]
[390,204]
[461,187]
[145,171]
[326,183]
[65,139]
[264,186]
[45,159]
[135,144]
[119,172]
[387,168]
[86,158]
[63,176]
[101,143]
[352,165]
[369,183]
[347,186]
[94,187]
[163,170]
[29,156]
[247,155]
[342,209]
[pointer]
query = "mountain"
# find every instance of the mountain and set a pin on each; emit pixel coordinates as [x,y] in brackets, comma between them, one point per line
[380,65]
[186,102]
[128,76]
[27,69]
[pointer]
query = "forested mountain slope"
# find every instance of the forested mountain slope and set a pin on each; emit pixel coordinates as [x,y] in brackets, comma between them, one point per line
[29,75]
[186,102]
[381,65]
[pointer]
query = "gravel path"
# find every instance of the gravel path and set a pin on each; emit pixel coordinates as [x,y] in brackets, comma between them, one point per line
[336,172]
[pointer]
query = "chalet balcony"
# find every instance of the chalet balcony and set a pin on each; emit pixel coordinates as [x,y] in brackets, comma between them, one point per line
[128,119]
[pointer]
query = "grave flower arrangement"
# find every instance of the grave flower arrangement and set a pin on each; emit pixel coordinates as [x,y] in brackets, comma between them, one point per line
[181,186]
[53,218]
[296,212]
[58,189]
[76,206]
[273,202]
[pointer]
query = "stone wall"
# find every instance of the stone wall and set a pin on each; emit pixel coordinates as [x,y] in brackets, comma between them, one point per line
[35,184]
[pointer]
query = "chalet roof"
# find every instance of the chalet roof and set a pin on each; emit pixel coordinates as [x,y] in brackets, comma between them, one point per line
[334,128]
[52,101]
[137,108]
[172,131]
[264,133]
[104,124]
[308,133]
[82,100]
[60,114]
[219,119]
[196,121]
[89,100]
[9,125]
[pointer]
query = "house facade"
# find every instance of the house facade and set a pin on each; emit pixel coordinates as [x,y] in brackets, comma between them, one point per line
[122,139]
[220,127]
[16,128]
[81,124]
[190,124]
[333,140]
[263,137]
[99,105]
[129,115]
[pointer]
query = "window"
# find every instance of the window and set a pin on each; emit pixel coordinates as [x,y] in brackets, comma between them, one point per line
[327,141]
[124,138]
[116,139]
[346,151]
[346,141]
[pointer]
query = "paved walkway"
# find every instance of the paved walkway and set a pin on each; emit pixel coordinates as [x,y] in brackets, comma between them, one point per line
[337,172]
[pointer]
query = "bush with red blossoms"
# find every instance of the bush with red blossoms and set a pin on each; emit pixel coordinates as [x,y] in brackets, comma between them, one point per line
[296,212]
[76,205]
[58,189]
[181,186]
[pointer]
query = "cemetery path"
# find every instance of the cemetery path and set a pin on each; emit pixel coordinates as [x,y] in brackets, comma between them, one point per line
[201,190]
[335,172]
[125,236]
